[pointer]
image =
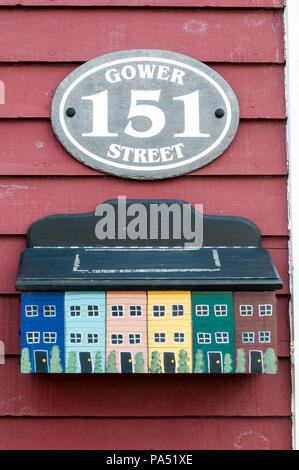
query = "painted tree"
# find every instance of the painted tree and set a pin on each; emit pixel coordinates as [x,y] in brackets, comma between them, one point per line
[55,363]
[241,361]
[155,367]
[139,363]
[98,363]
[228,363]
[183,367]
[199,367]
[111,363]
[72,363]
[25,361]
[270,359]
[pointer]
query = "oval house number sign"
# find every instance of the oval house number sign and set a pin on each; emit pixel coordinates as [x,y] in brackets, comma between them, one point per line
[145,114]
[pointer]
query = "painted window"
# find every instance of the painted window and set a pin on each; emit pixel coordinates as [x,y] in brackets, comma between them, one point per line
[202,310]
[134,338]
[117,310]
[220,310]
[135,310]
[93,310]
[177,310]
[32,337]
[31,310]
[179,337]
[159,310]
[265,310]
[75,337]
[222,337]
[248,337]
[49,337]
[160,337]
[246,310]
[49,310]
[117,338]
[264,336]
[75,310]
[204,338]
[93,338]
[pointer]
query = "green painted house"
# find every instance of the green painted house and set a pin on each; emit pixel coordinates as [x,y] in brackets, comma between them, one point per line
[213,332]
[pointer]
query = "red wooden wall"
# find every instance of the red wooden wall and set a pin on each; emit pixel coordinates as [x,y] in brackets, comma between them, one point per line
[41,41]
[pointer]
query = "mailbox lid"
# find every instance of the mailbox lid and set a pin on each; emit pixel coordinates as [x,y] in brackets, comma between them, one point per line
[141,267]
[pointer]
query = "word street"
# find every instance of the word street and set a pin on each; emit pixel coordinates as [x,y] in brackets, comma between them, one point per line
[141,155]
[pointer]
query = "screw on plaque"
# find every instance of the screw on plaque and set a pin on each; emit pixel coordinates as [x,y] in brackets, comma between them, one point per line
[219,112]
[70,112]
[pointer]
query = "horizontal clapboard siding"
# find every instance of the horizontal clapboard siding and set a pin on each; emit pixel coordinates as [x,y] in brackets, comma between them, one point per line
[58,35]
[243,41]
[152,3]
[186,433]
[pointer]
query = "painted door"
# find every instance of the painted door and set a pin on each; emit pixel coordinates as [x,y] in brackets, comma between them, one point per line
[169,362]
[256,362]
[215,362]
[126,363]
[41,361]
[85,362]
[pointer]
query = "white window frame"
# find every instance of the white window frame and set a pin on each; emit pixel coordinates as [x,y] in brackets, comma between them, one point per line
[91,312]
[247,308]
[136,307]
[34,334]
[221,314]
[30,306]
[159,316]
[202,314]
[50,333]
[75,333]
[159,337]
[52,312]
[207,337]
[70,311]
[181,334]
[266,307]
[291,18]
[250,334]
[223,335]
[263,334]
[177,314]
[93,336]
[118,311]
[119,339]
[134,337]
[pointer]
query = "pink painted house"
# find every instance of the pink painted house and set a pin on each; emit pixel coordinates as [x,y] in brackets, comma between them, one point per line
[126,332]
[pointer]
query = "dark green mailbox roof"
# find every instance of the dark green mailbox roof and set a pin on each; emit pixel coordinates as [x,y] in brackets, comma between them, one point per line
[64,253]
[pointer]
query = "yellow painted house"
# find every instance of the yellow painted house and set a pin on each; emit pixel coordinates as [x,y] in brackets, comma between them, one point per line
[169,331]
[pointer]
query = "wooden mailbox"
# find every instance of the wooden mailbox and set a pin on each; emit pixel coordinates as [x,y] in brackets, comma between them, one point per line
[148,302]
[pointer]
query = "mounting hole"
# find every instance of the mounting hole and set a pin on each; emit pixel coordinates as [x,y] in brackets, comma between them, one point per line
[219,113]
[70,112]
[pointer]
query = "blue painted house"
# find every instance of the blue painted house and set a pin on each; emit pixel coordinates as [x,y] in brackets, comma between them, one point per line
[42,332]
[85,331]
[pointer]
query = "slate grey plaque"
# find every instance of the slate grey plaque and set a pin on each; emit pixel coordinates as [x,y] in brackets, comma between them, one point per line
[145,114]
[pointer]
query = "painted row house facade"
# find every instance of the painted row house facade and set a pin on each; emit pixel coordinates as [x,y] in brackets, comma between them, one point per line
[154,331]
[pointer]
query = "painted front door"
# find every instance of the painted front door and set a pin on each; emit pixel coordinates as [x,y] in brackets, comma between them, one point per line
[126,364]
[41,361]
[256,362]
[215,362]
[85,362]
[169,362]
